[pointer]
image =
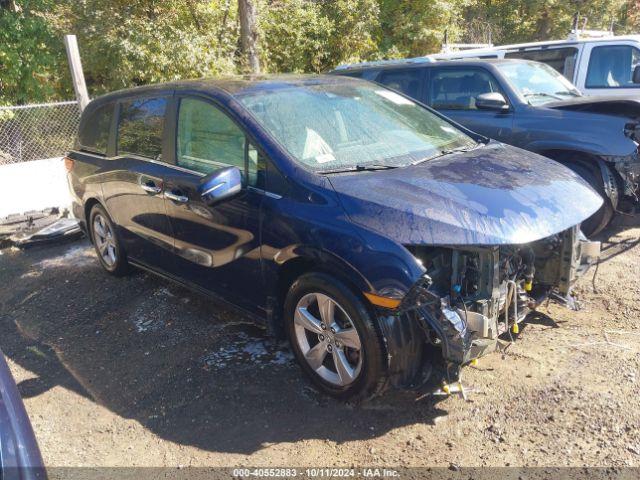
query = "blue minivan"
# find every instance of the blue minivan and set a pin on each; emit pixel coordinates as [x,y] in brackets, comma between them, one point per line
[359,223]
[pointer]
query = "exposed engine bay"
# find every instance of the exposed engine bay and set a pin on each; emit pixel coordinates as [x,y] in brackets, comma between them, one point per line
[469,296]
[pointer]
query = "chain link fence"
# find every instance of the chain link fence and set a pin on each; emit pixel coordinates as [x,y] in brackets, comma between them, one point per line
[37,131]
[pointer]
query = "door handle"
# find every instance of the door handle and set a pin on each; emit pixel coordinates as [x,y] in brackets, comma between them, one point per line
[176,197]
[150,187]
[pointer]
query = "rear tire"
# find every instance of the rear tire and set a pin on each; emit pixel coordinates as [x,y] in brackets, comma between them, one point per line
[106,242]
[599,220]
[333,337]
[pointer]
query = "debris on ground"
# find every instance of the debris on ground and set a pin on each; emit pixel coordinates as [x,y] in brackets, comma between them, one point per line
[38,227]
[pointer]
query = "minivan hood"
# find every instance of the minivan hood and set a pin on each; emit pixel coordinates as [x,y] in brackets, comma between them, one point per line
[492,195]
[628,107]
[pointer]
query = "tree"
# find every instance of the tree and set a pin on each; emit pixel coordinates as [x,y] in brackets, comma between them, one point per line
[249,33]
[32,63]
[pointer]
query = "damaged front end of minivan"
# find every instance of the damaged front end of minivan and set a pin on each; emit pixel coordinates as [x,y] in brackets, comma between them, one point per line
[484,237]
[469,296]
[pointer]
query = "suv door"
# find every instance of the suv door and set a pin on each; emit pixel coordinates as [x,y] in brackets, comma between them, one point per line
[133,186]
[217,247]
[453,91]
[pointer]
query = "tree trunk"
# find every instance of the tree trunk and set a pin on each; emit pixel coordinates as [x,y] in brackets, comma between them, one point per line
[249,34]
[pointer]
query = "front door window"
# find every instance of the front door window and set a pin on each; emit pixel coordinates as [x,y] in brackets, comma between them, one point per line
[207,138]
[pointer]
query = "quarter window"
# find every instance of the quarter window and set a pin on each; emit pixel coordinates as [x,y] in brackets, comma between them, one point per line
[207,138]
[94,132]
[612,66]
[562,60]
[406,81]
[140,127]
[457,89]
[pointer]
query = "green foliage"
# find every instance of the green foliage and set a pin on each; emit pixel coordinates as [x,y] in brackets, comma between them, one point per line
[31,61]
[126,43]
[416,27]
[131,42]
[293,36]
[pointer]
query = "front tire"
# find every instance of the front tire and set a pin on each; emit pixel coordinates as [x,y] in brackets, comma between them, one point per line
[106,242]
[333,337]
[599,220]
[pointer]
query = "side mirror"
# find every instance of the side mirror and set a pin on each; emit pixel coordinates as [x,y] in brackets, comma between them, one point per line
[220,184]
[492,101]
[636,74]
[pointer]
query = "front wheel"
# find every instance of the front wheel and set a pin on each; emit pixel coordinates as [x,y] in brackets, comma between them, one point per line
[333,337]
[599,220]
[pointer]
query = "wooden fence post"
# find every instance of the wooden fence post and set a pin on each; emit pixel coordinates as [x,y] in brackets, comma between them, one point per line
[75,65]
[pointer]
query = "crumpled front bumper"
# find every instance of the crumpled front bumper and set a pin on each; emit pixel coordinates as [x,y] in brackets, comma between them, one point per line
[422,313]
[449,324]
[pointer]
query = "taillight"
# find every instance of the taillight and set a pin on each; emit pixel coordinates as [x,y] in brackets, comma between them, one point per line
[68,164]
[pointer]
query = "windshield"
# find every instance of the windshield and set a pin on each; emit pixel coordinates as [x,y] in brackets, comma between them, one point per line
[344,126]
[538,83]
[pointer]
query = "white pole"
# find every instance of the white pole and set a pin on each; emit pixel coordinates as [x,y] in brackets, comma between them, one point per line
[75,65]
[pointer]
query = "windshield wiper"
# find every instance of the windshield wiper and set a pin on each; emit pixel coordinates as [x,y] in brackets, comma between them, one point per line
[359,168]
[541,94]
[571,94]
[448,151]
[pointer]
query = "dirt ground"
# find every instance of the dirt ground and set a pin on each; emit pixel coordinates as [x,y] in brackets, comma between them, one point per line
[140,372]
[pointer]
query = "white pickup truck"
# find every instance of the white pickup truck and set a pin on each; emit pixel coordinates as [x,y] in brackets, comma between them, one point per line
[597,65]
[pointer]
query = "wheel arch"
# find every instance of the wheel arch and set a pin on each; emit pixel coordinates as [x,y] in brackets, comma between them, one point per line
[88,206]
[309,259]
[610,178]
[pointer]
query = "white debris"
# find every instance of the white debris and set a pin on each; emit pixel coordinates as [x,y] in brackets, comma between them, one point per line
[247,350]
[79,256]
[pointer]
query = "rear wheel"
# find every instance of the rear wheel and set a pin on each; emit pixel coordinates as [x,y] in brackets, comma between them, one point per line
[110,252]
[599,220]
[333,337]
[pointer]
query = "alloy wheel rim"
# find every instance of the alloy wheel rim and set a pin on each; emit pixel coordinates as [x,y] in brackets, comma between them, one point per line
[328,339]
[105,241]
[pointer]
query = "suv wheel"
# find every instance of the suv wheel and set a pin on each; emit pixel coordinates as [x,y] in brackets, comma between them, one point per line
[333,337]
[110,252]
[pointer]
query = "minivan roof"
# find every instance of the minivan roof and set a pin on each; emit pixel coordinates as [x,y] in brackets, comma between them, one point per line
[232,85]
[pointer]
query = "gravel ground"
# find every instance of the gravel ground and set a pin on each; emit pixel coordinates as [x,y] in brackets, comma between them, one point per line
[140,372]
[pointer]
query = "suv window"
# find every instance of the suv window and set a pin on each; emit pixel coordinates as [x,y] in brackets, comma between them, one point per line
[94,132]
[457,88]
[140,127]
[561,59]
[406,81]
[611,66]
[207,138]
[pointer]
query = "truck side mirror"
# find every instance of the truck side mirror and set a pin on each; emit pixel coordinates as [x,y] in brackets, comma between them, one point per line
[492,101]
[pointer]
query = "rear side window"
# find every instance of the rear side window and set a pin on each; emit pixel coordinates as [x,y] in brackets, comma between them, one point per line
[458,88]
[94,132]
[406,81]
[612,66]
[140,127]
[562,60]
